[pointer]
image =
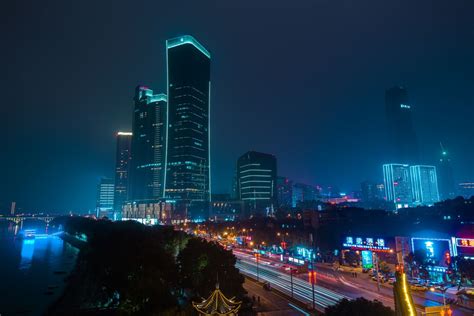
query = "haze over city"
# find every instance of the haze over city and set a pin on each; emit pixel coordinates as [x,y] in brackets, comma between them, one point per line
[304,82]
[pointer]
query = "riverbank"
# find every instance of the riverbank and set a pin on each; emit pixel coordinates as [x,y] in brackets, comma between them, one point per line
[32,271]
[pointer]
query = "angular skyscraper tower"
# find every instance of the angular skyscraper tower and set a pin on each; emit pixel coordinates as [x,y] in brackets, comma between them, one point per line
[188,161]
[122,166]
[447,189]
[148,146]
[402,137]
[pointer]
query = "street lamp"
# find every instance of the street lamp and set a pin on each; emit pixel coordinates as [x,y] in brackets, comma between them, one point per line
[376,261]
[312,280]
[257,256]
[291,281]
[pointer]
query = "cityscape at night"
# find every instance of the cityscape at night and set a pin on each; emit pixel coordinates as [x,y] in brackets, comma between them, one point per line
[238,158]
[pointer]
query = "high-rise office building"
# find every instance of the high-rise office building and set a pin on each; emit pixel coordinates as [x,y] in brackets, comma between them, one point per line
[257,187]
[284,192]
[424,184]
[148,146]
[304,193]
[188,161]
[122,165]
[447,189]
[105,197]
[397,182]
[402,136]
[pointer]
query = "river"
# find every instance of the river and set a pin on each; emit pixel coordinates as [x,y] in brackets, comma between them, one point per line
[32,271]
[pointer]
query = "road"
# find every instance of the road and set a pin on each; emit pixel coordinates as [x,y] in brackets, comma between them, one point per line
[271,302]
[330,286]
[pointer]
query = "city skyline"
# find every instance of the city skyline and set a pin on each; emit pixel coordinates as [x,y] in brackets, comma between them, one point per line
[316,133]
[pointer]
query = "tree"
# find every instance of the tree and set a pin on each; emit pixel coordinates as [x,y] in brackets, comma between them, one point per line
[358,307]
[352,258]
[202,263]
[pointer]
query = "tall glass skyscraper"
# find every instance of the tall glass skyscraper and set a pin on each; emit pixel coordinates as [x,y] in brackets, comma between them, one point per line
[402,137]
[424,184]
[148,146]
[188,178]
[105,197]
[122,165]
[397,183]
[257,182]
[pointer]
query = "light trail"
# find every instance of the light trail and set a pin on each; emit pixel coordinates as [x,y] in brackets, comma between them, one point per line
[280,280]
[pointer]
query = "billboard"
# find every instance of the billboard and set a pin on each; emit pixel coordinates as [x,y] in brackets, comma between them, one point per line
[367,243]
[367,262]
[434,248]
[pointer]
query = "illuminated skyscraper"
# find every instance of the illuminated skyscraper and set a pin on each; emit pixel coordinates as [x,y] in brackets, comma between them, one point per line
[447,188]
[397,182]
[424,184]
[122,165]
[105,197]
[402,136]
[257,187]
[148,146]
[188,178]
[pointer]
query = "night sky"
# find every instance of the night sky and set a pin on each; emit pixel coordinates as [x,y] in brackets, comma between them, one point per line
[304,80]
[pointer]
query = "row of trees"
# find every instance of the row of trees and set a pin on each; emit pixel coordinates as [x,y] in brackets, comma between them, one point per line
[129,268]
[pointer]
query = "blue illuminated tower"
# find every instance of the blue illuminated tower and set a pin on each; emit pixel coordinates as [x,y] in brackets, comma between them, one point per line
[188,160]
[122,166]
[148,146]
[257,182]
[424,184]
[397,183]
[447,188]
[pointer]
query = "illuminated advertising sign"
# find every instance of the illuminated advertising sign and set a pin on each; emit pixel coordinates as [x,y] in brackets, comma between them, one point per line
[367,262]
[304,252]
[465,242]
[434,249]
[369,243]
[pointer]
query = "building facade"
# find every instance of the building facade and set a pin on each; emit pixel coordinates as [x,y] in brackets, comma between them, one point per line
[447,189]
[397,182]
[424,184]
[402,137]
[122,165]
[284,192]
[105,198]
[257,187]
[148,146]
[188,163]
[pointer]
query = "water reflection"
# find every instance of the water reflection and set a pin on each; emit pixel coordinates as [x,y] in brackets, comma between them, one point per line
[32,270]
[27,251]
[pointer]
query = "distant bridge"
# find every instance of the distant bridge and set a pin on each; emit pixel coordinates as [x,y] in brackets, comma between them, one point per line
[20,218]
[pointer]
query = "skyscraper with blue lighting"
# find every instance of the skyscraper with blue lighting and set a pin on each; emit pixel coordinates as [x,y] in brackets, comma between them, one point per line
[424,184]
[257,182]
[123,155]
[188,159]
[397,183]
[148,146]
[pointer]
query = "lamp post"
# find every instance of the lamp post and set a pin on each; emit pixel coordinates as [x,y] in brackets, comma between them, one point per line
[257,255]
[291,281]
[376,262]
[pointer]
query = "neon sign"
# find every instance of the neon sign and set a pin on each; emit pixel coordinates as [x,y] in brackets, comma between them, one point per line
[359,243]
[464,242]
